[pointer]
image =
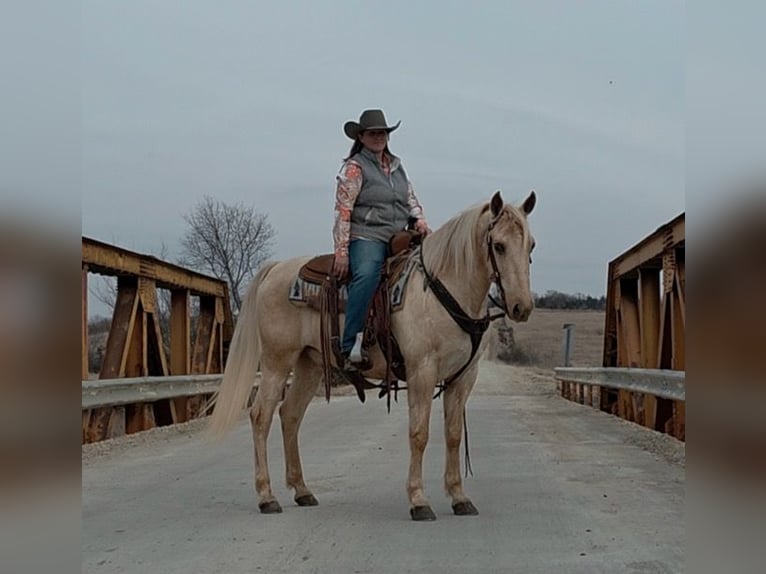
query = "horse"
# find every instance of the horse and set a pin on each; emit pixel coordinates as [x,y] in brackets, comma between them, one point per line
[489,243]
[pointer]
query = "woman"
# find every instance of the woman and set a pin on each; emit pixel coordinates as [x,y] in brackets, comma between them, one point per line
[374,199]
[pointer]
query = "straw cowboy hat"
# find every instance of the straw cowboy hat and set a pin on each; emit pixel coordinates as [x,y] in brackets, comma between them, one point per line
[369,120]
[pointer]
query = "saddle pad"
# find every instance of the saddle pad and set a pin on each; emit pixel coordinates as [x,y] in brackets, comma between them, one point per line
[400,276]
[303,292]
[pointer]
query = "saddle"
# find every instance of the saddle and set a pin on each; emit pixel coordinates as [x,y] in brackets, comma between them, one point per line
[319,269]
[317,276]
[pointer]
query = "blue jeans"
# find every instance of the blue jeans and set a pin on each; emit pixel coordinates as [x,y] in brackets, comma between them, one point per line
[366,259]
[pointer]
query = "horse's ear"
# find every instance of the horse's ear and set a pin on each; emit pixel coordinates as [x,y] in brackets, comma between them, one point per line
[529,203]
[496,204]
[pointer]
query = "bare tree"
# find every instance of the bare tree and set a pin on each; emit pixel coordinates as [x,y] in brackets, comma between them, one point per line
[105,290]
[228,241]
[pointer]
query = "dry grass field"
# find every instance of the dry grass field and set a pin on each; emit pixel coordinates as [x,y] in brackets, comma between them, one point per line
[539,342]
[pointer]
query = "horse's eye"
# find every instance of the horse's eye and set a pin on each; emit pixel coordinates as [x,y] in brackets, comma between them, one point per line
[499,248]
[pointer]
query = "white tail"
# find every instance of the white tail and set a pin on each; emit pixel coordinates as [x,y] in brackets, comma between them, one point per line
[241,365]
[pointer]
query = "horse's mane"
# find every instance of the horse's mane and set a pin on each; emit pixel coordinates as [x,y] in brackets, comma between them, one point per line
[451,248]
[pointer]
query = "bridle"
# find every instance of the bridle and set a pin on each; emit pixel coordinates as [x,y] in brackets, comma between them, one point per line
[496,279]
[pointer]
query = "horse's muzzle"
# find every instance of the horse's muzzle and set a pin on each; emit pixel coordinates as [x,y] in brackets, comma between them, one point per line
[520,312]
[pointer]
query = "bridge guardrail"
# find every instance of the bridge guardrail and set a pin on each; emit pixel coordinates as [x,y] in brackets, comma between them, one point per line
[115,392]
[661,383]
[115,407]
[655,398]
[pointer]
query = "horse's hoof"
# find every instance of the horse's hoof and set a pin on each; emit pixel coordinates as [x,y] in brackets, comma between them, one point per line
[422,513]
[270,507]
[464,508]
[307,500]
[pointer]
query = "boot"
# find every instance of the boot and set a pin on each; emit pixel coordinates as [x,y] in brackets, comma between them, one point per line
[358,356]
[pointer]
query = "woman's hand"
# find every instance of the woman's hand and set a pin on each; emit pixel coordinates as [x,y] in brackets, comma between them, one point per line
[422,227]
[340,266]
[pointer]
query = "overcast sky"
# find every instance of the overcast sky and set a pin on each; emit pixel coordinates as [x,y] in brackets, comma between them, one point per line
[245,101]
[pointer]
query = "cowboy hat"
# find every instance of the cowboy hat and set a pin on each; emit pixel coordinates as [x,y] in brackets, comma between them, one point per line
[369,120]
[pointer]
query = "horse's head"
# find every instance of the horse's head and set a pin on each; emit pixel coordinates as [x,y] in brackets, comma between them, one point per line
[510,246]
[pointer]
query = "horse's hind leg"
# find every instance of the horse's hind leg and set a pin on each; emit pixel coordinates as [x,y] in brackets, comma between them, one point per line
[307,375]
[274,377]
[454,406]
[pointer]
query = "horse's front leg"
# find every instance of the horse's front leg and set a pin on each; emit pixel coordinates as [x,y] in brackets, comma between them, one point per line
[420,390]
[454,406]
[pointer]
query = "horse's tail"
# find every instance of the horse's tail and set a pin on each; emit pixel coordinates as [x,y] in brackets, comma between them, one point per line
[242,363]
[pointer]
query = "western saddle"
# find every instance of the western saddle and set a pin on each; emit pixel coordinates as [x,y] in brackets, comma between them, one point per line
[318,271]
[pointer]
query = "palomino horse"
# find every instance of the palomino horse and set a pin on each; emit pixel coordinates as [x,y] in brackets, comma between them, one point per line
[484,244]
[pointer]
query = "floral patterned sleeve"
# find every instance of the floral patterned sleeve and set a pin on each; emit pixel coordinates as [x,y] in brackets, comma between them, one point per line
[416,210]
[349,184]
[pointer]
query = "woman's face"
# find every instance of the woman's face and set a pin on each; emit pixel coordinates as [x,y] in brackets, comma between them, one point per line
[374,140]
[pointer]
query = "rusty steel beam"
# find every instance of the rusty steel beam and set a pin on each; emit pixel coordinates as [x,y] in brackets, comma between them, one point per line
[679,330]
[105,259]
[180,331]
[135,343]
[645,324]
[208,344]
[629,322]
[628,335]
[649,251]
[84,311]
[135,346]
[649,317]
[629,342]
[121,331]
[610,322]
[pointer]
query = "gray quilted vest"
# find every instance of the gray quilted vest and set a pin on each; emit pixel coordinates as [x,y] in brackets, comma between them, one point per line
[381,208]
